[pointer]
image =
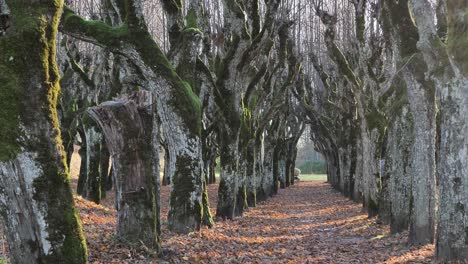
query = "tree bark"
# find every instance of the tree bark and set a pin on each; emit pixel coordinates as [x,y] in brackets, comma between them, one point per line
[228,185]
[398,167]
[168,168]
[92,172]
[251,179]
[128,128]
[450,71]
[36,201]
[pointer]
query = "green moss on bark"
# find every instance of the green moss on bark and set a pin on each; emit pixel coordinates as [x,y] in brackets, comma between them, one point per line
[110,36]
[9,113]
[457,41]
[29,64]
[185,213]
[185,101]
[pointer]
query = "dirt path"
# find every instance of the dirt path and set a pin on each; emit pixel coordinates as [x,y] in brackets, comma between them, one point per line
[309,222]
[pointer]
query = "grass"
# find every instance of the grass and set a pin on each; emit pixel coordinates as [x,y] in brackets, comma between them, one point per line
[313,177]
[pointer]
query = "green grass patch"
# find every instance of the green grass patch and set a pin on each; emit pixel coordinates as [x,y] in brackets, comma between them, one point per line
[313,177]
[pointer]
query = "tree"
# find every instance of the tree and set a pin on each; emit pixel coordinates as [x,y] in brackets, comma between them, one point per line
[178,106]
[35,198]
[129,125]
[447,68]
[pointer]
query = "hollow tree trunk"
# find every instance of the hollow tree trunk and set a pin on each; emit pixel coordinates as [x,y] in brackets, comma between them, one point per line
[128,129]
[36,201]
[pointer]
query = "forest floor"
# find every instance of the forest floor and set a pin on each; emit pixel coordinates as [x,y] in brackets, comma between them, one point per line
[306,223]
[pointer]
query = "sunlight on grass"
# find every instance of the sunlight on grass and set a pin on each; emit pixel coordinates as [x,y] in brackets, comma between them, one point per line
[313,177]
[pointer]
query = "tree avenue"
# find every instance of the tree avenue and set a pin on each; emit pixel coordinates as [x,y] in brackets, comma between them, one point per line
[229,87]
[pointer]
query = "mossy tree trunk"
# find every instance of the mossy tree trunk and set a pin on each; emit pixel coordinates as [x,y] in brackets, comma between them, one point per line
[228,185]
[128,128]
[35,197]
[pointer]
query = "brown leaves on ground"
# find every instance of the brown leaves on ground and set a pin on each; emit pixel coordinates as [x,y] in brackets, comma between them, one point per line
[308,222]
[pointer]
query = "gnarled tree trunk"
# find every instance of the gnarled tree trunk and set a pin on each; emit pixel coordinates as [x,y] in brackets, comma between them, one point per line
[128,128]
[36,201]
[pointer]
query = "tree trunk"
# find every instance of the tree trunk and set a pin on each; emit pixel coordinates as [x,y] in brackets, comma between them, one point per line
[268,170]
[251,179]
[358,181]
[168,168]
[228,185]
[207,217]
[92,172]
[370,162]
[35,197]
[344,156]
[212,171]
[292,167]
[452,229]
[128,128]
[106,170]
[83,164]
[398,169]
[259,172]
[241,198]
[276,183]
[282,165]
[423,108]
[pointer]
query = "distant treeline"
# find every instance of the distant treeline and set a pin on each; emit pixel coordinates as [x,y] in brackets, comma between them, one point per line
[313,167]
